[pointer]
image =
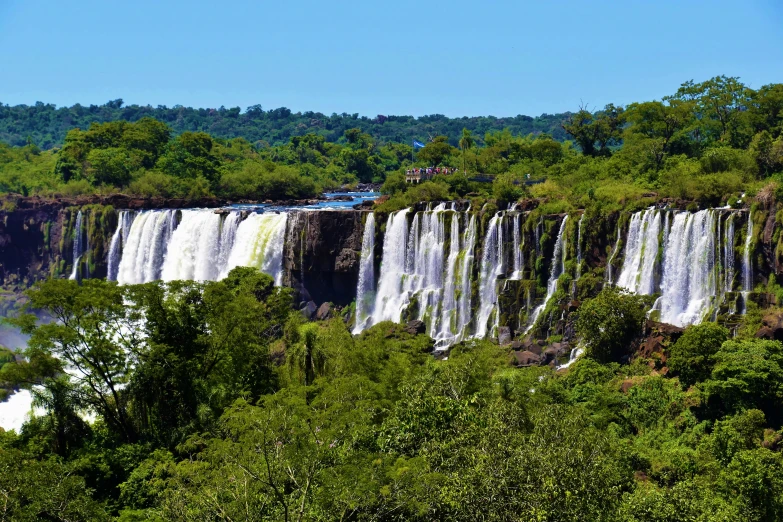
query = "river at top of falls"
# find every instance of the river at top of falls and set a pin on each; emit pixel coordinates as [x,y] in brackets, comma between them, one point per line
[679,256]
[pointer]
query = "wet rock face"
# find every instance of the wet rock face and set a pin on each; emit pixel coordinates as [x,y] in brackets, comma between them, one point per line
[322,254]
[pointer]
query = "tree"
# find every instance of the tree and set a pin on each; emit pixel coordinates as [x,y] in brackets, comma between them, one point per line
[594,133]
[609,322]
[434,152]
[465,142]
[44,490]
[96,333]
[745,375]
[691,357]
[657,125]
[190,156]
[720,101]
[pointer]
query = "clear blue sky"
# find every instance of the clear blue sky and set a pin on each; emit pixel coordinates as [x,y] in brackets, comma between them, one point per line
[402,57]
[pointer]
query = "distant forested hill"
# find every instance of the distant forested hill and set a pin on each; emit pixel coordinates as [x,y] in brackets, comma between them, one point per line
[46,125]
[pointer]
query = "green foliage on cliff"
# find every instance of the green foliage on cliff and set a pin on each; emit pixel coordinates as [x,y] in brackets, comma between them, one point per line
[225,403]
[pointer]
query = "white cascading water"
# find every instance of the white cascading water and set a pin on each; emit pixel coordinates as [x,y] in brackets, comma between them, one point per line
[259,243]
[728,254]
[641,252]
[228,234]
[144,250]
[747,267]
[557,268]
[78,246]
[193,249]
[414,267]
[688,286]
[203,246]
[118,241]
[447,327]
[365,289]
[464,270]
[424,264]
[389,298]
[519,259]
[612,256]
[698,262]
[491,269]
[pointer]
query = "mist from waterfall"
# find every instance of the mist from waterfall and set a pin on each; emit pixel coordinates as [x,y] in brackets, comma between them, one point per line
[365,289]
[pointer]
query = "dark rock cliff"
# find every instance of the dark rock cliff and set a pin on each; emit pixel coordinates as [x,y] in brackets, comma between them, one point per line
[322,252]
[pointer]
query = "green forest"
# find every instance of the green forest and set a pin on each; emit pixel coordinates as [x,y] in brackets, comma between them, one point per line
[705,142]
[220,401]
[46,126]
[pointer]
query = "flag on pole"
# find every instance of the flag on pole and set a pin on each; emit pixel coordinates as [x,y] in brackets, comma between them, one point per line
[417,144]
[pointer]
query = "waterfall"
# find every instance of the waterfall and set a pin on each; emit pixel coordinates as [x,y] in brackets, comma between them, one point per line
[228,234]
[78,246]
[449,312]
[365,289]
[519,260]
[491,269]
[415,270]
[389,299]
[194,247]
[465,267]
[117,245]
[557,268]
[424,263]
[728,254]
[612,256]
[145,247]
[688,287]
[747,266]
[258,243]
[641,252]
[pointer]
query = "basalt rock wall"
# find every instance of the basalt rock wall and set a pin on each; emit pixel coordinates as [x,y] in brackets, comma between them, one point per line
[321,256]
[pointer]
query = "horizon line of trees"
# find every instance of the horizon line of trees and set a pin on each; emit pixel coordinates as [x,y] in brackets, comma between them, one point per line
[46,125]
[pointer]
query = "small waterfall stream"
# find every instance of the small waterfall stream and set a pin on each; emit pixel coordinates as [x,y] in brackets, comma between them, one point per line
[557,267]
[78,246]
[491,269]
[747,266]
[365,290]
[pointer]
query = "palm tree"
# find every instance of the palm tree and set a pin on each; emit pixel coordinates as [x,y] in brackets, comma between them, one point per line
[465,142]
